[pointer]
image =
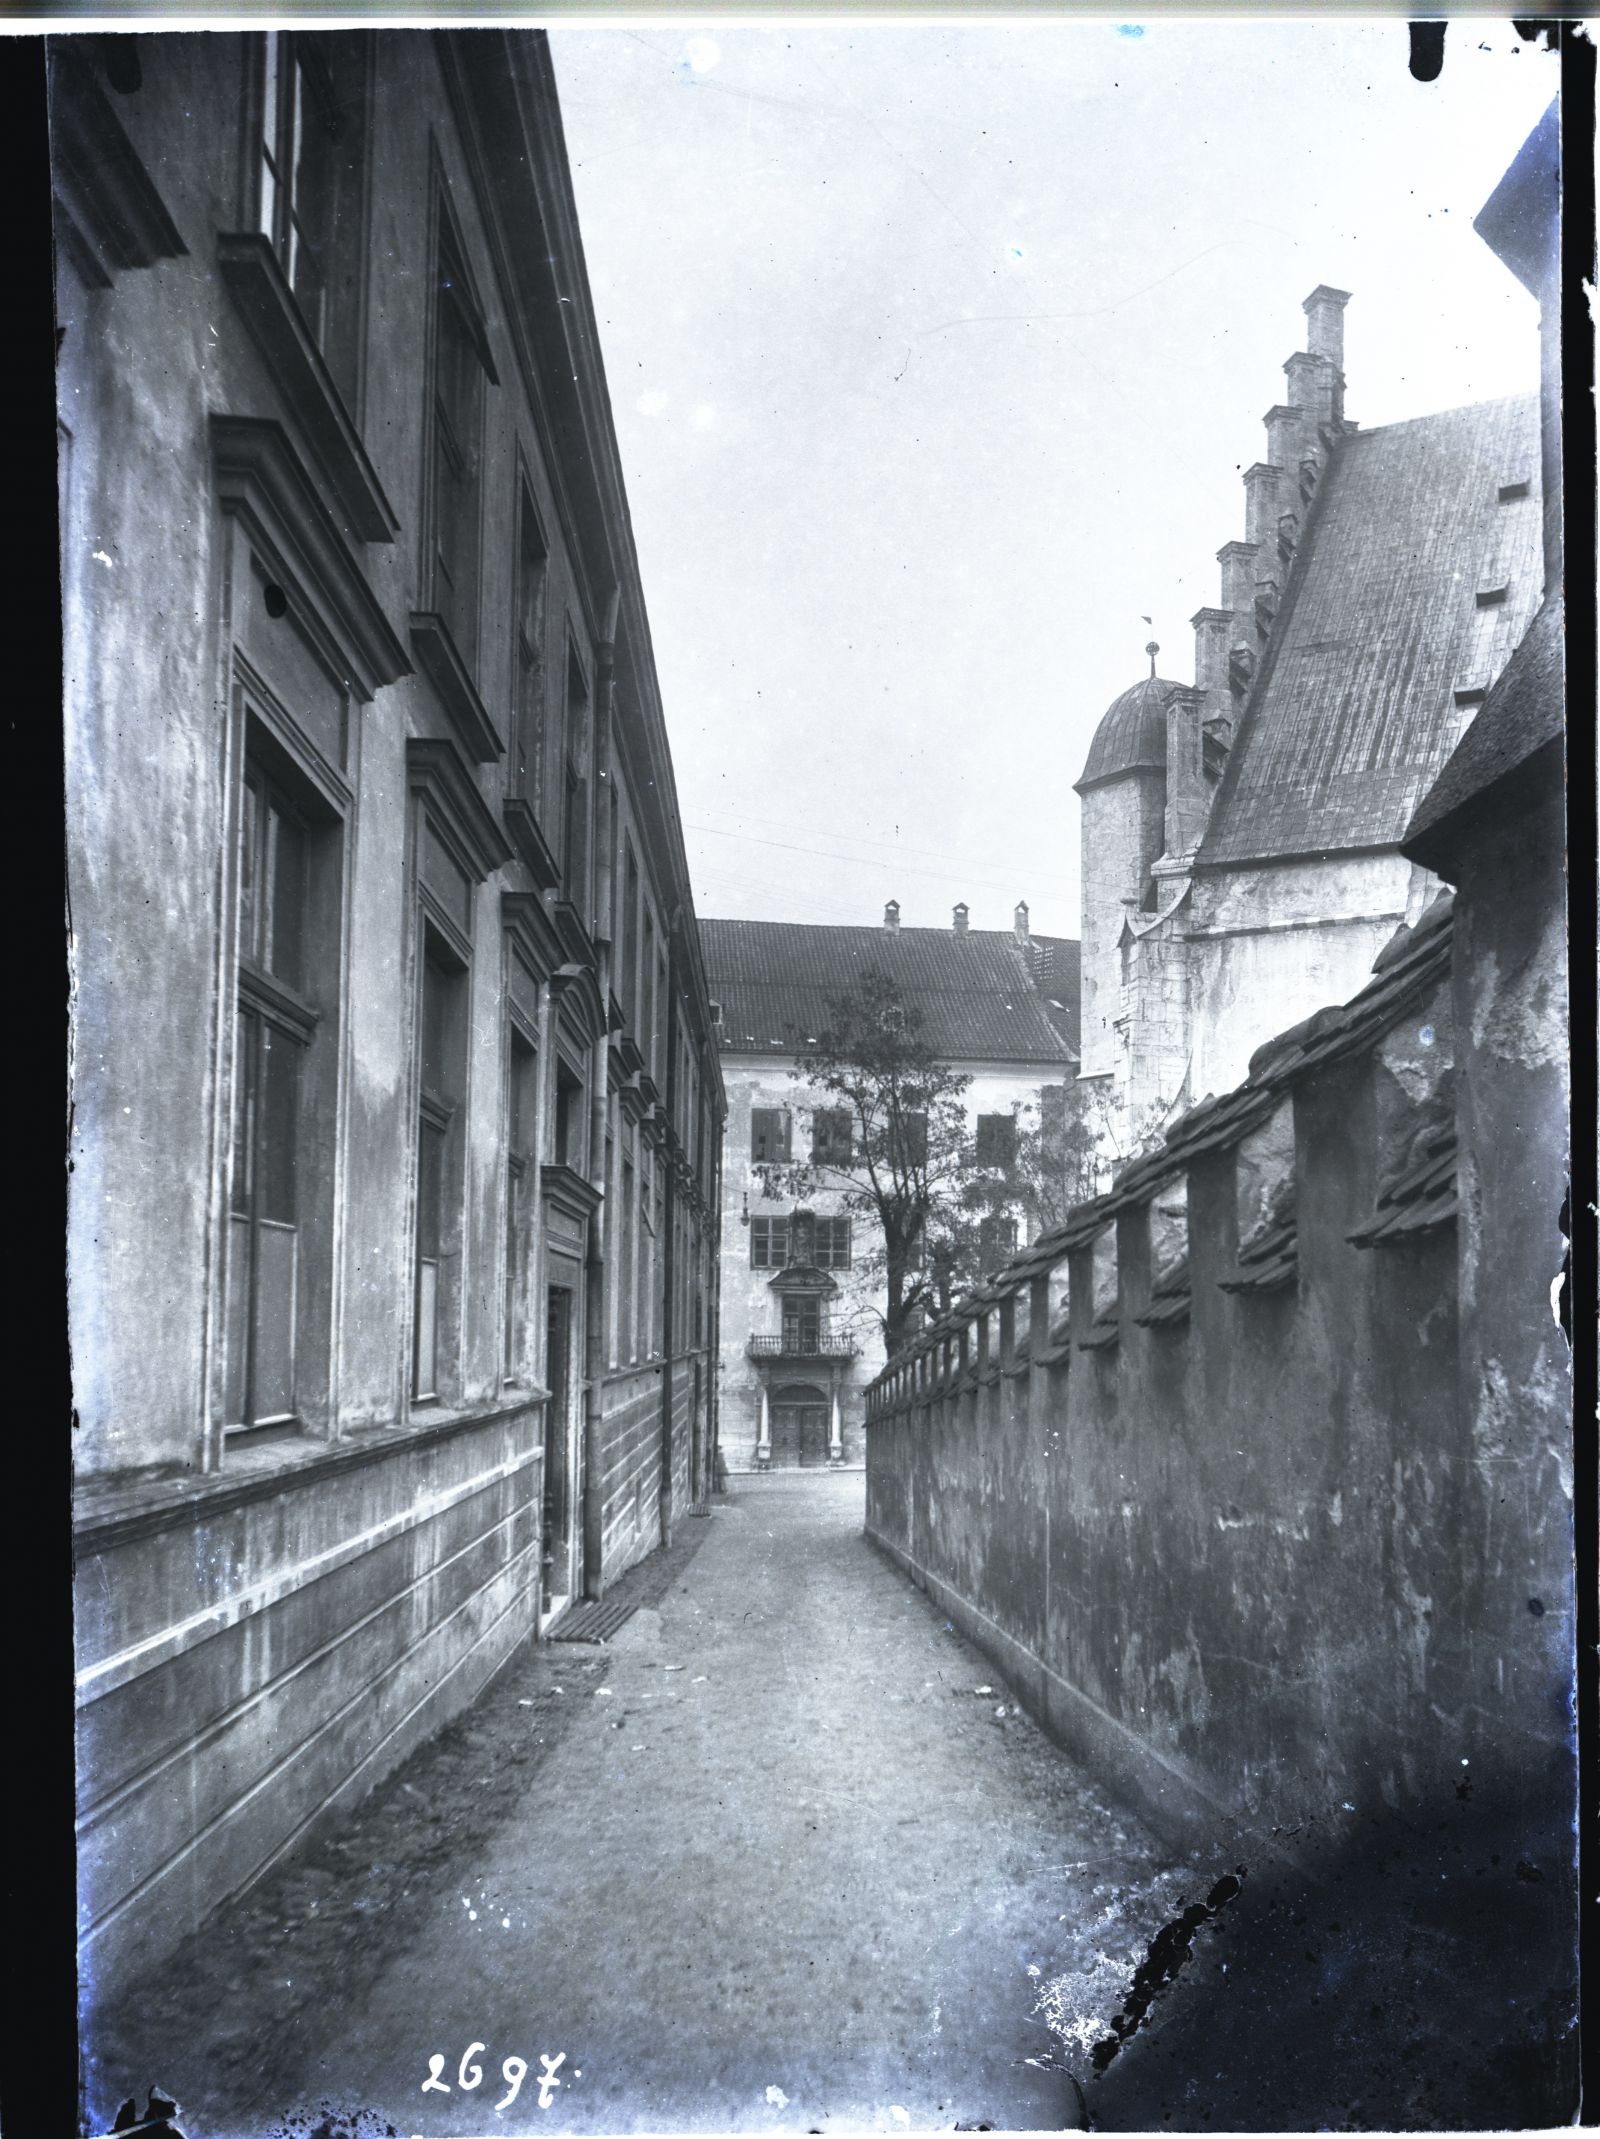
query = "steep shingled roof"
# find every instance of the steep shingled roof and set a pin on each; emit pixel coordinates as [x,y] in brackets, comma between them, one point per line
[1525,711]
[1355,710]
[982,997]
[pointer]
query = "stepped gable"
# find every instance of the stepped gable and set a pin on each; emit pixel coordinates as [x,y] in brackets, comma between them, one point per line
[1383,648]
[985,995]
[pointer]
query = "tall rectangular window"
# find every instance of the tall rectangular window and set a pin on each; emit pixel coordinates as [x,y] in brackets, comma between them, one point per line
[802,1323]
[996,1141]
[832,1140]
[833,1244]
[647,1005]
[567,1148]
[575,820]
[533,562]
[630,938]
[309,173]
[438,1218]
[769,1135]
[521,1148]
[274,1030]
[625,1270]
[457,452]
[769,1243]
[908,1138]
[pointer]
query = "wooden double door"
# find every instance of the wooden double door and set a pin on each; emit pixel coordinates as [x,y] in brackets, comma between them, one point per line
[800,1418]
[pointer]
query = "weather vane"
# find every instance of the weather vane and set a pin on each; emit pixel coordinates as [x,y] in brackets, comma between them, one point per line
[1152,649]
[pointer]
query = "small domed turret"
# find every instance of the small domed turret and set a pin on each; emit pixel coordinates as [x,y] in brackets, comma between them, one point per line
[1132,735]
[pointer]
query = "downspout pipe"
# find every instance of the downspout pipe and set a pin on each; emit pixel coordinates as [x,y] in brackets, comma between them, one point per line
[670,1337]
[595,1297]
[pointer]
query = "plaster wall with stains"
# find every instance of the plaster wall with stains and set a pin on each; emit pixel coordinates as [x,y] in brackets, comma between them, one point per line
[1301,1560]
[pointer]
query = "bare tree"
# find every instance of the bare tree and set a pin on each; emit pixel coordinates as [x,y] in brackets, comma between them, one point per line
[891,1137]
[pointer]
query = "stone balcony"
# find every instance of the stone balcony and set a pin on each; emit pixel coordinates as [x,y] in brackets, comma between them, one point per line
[824,1344]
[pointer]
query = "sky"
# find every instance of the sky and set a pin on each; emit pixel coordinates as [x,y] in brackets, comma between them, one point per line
[936,353]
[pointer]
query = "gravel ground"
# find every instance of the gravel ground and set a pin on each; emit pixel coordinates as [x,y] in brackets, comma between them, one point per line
[781,1855]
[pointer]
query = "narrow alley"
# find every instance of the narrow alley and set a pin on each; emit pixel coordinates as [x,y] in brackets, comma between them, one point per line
[781,1854]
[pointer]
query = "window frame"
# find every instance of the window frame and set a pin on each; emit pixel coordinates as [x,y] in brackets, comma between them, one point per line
[453,297]
[763,1115]
[990,1128]
[292,1009]
[300,83]
[835,1144]
[772,1235]
[522,1169]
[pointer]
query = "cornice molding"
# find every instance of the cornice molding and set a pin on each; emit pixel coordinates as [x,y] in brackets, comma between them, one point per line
[436,770]
[527,922]
[522,828]
[441,661]
[262,481]
[110,215]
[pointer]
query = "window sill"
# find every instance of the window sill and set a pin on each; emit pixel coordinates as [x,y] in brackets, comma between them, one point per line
[447,672]
[266,304]
[114,1511]
[522,829]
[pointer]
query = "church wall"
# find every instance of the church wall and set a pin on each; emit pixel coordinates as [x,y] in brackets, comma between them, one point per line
[1270,946]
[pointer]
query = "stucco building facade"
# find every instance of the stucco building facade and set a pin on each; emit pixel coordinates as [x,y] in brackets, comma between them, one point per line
[397,1109]
[801,1293]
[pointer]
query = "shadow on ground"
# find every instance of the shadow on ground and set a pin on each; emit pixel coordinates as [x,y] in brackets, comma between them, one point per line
[1424,1980]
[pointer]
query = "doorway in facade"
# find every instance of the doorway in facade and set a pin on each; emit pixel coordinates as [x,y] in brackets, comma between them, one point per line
[799,1427]
[556,1573]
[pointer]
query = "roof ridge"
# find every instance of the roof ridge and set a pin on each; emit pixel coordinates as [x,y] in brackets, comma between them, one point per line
[1459,408]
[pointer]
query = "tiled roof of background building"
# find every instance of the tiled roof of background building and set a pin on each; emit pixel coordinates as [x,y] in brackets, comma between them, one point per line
[983,997]
[1356,711]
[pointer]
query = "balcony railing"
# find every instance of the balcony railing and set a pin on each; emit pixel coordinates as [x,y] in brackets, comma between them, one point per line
[823,1344]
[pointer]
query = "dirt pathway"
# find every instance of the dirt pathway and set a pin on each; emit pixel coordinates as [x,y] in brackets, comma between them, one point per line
[782,1855]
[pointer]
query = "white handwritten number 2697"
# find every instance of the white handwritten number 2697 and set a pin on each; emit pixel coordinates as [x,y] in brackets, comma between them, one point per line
[513,2071]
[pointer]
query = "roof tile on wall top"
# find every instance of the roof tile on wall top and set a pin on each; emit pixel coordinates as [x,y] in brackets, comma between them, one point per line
[1410,968]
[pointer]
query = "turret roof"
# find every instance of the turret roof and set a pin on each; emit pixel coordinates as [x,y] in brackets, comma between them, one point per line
[1132,735]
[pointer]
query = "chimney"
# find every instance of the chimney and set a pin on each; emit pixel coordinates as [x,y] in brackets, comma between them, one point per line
[1019,921]
[958,920]
[891,914]
[1324,310]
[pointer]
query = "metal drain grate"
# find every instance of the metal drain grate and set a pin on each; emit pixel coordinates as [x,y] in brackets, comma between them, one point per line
[595,1622]
[701,1507]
